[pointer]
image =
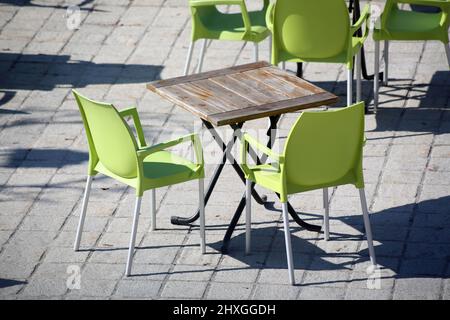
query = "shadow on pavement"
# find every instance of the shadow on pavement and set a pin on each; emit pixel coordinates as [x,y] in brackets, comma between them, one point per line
[31,3]
[410,252]
[46,72]
[4,283]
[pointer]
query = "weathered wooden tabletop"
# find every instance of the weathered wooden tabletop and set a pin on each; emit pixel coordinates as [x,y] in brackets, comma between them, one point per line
[242,93]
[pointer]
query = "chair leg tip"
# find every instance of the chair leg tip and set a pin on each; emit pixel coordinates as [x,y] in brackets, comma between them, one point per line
[291,277]
[128,271]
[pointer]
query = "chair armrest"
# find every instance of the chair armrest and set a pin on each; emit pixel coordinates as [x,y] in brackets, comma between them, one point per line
[132,111]
[269,16]
[193,137]
[249,140]
[444,5]
[364,17]
[241,3]
[433,3]
[199,3]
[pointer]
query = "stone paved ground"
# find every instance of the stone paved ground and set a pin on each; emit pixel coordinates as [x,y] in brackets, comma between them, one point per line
[120,46]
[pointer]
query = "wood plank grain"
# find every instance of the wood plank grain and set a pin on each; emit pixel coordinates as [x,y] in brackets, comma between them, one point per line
[261,87]
[291,90]
[242,93]
[241,89]
[189,102]
[209,100]
[205,75]
[229,100]
[276,72]
[272,109]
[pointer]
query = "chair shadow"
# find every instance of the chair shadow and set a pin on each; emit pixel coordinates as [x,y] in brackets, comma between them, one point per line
[59,71]
[430,215]
[30,3]
[4,283]
[269,251]
[41,158]
[428,97]
[5,98]
[53,71]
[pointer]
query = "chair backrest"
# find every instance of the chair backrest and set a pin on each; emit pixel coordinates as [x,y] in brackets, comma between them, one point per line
[204,13]
[326,147]
[391,7]
[311,29]
[110,139]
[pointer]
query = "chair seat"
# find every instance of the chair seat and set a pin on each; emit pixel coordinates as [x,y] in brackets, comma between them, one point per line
[269,177]
[161,169]
[411,25]
[166,168]
[266,175]
[231,27]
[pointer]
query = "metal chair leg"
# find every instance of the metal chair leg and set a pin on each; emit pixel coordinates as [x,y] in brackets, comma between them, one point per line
[358,76]
[87,191]
[201,199]
[349,86]
[189,58]
[386,62]
[367,227]
[256,51]
[326,218]
[248,216]
[287,239]
[133,236]
[153,205]
[376,79]
[270,48]
[202,56]
[447,52]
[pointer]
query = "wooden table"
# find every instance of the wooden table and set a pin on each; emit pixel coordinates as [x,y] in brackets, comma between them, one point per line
[232,96]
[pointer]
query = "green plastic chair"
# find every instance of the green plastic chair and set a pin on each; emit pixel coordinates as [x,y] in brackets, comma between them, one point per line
[317,31]
[209,23]
[397,24]
[322,150]
[114,152]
